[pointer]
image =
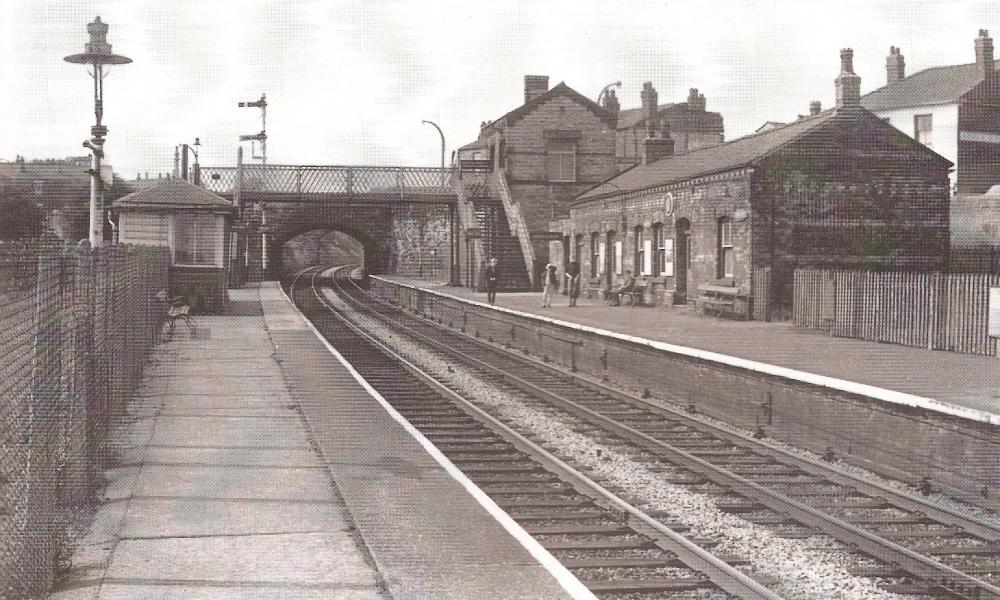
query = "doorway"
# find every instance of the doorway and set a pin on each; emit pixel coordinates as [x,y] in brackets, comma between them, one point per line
[683,241]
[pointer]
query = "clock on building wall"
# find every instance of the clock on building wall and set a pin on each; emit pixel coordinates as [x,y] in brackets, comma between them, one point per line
[668,204]
[741,211]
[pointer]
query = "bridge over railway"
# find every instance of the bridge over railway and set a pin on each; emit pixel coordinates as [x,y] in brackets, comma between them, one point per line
[405,217]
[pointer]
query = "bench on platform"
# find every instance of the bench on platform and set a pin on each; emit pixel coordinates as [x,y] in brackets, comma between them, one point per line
[724,297]
[635,297]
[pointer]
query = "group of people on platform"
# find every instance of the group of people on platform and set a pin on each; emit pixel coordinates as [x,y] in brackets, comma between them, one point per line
[550,284]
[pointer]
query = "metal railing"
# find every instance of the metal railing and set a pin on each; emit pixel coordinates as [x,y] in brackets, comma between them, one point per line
[307,179]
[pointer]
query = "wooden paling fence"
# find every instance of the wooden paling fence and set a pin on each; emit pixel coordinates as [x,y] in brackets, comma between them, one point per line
[940,311]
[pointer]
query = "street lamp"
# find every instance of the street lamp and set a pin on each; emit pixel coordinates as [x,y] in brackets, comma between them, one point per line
[97,54]
[441,133]
[604,90]
[184,161]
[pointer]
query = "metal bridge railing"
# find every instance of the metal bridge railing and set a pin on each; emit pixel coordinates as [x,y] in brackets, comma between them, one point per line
[294,179]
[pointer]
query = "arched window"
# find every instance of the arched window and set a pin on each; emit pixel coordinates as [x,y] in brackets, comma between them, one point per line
[727,256]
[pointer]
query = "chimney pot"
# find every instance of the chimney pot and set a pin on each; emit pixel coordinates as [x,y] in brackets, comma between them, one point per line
[895,66]
[655,148]
[984,55]
[535,86]
[848,84]
[815,107]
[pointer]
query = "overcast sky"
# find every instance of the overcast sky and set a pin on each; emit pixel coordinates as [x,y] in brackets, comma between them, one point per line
[348,82]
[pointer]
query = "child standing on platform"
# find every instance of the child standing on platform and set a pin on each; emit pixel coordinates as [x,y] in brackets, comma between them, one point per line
[573,282]
[551,285]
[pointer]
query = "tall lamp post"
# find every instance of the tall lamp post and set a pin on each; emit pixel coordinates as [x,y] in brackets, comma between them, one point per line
[196,170]
[454,277]
[97,53]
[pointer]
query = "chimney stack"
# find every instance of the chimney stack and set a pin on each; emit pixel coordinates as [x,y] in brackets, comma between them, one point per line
[649,106]
[848,83]
[815,107]
[895,66]
[609,102]
[984,55]
[535,86]
[655,148]
[695,100]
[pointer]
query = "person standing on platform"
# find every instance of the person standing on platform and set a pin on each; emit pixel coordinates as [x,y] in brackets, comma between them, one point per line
[551,285]
[573,282]
[490,275]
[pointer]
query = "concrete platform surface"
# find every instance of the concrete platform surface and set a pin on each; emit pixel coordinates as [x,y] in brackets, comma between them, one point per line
[238,477]
[962,380]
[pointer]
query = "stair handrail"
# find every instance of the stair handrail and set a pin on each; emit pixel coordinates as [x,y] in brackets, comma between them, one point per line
[516,221]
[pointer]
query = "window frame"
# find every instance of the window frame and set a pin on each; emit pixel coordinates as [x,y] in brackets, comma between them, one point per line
[215,234]
[727,248]
[927,120]
[560,150]
[640,251]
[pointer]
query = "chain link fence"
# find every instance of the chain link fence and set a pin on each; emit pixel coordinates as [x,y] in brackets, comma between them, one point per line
[76,328]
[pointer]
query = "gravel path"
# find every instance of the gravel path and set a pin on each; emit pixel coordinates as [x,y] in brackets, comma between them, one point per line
[808,569]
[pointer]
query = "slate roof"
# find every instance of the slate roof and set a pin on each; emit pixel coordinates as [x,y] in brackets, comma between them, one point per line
[705,161]
[747,151]
[937,85]
[676,114]
[173,193]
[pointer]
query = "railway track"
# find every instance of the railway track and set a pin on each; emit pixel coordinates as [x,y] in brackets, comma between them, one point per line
[926,549]
[616,550]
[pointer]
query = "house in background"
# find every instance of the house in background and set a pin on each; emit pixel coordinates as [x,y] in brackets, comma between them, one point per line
[841,188]
[690,125]
[953,110]
[195,225]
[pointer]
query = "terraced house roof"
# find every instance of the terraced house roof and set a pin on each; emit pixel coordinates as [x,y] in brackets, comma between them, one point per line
[937,85]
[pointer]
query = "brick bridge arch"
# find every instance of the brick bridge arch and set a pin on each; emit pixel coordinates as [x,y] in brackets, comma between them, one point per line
[395,237]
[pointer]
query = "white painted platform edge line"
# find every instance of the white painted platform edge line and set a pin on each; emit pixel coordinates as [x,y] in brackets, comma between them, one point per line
[560,573]
[843,385]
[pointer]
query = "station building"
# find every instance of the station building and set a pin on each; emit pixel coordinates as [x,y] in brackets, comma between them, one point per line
[556,145]
[841,188]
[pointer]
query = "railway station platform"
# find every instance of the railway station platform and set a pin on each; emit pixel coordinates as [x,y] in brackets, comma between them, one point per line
[961,380]
[253,464]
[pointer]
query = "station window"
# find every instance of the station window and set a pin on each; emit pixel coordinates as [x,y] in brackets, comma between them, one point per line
[922,129]
[727,257]
[560,160]
[659,259]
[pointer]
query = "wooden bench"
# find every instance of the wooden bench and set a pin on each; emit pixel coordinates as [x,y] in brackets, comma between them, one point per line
[723,297]
[636,296]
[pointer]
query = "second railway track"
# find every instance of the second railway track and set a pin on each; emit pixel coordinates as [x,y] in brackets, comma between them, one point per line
[921,548]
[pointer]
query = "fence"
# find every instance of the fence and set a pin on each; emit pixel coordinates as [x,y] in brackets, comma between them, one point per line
[940,311]
[76,328]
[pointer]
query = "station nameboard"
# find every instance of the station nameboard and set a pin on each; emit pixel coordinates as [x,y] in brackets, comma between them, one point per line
[547,236]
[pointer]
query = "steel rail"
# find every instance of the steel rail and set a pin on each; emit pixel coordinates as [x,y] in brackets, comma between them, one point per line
[908,501]
[935,573]
[718,572]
